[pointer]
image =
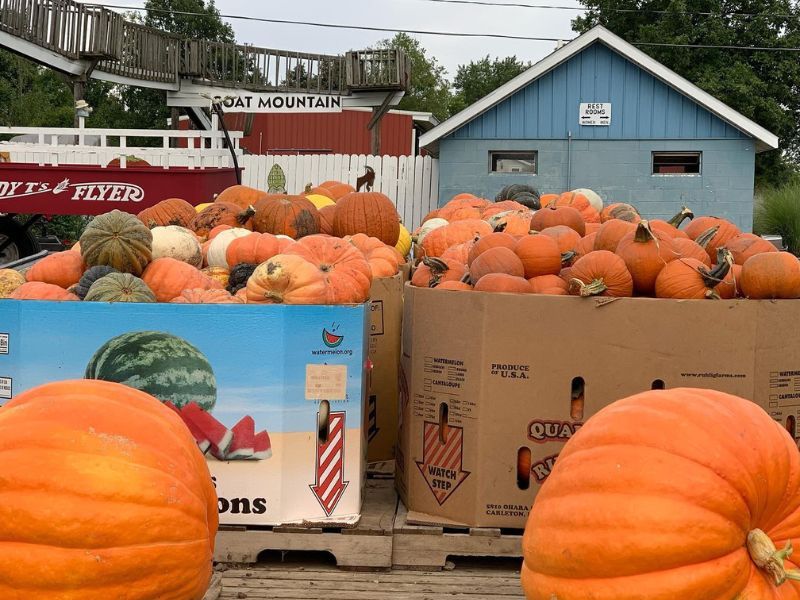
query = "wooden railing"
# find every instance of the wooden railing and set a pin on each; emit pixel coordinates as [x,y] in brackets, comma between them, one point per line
[146,53]
[378,69]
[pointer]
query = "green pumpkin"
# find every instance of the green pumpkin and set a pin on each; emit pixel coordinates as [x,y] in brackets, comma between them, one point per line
[524,194]
[120,287]
[89,277]
[161,364]
[118,240]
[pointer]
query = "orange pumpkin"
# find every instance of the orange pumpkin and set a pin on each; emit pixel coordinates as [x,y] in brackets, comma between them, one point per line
[503,282]
[168,277]
[294,216]
[500,259]
[729,288]
[431,215]
[287,279]
[441,238]
[459,252]
[710,533]
[252,249]
[434,271]
[217,230]
[551,285]
[326,214]
[495,208]
[371,213]
[454,285]
[610,234]
[592,228]
[689,278]
[600,273]
[333,189]
[204,296]
[686,248]
[586,244]
[645,253]
[725,231]
[38,290]
[61,268]
[620,210]
[745,245]
[580,203]
[384,261]
[487,242]
[540,255]
[770,275]
[241,195]
[548,199]
[566,238]
[517,222]
[221,213]
[670,228]
[220,274]
[554,215]
[172,211]
[463,207]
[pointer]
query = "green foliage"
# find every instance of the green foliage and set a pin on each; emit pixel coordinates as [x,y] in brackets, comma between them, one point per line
[479,78]
[209,26]
[777,212]
[760,85]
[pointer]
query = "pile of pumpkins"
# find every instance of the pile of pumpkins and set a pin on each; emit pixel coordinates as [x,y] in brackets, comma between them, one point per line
[574,245]
[245,247]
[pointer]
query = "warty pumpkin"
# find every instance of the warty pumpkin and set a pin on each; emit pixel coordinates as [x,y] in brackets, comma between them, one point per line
[119,287]
[771,276]
[499,259]
[85,465]
[383,260]
[551,285]
[620,210]
[371,213]
[38,290]
[168,277]
[440,239]
[10,280]
[600,273]
[432,272]
[554,215]
[241,195]
[219,274]
[254,248]
[689,278]
[118,240]
[177,242]
[217,253]
[222,213]
[172,211]
[503,282]
[611,232]
[745,245]
[60,268]
[294,216]
[708,534]
[645,253]
[540,255]
[487,242]
[201,296]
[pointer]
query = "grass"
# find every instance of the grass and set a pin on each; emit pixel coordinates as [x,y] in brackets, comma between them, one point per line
[777,212]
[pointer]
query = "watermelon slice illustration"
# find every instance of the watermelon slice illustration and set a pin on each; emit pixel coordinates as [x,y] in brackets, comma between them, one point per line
[244,434]
[331,340]
[262,447]
[201,423]
[202,441]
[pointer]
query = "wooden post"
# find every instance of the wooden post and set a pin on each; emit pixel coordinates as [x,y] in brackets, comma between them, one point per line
[374,124]
[78,93]
[175,116]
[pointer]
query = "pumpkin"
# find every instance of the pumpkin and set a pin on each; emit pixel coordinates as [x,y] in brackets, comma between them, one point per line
[371,213]
[427,226]
[108,457]
[434,271]
[520,193]
[216,255]
[610,234]
[459,252]
[441,238]
[237,280]
[202,296]
[177,242]
[242,294]
[221,213]
[620,210]
[286,215]
[645,253]
[502,206]
[118,240]
[586,244]
[76,247]
[592,228]
[318,200]
[745,245]
[503,282]
[204,250]
[10,280]
[38,290]
[333,189]
[326,214]
[463,207]
[284,242]
[688,278]
[216,231]
[253,248]
[552,285]
[130,161]
[566,238]
[89,277]
[686,248]
[600,273]
[168,277]
[770,275]
[61,268]
[431,215]
[515,222]
[593,197]
[725,231]
[487,242]
[119,287]
[287,279]
[241,195]
[540,255]
[580,203]
[219,274]
[201,207]
[384,261]
[454,285]
[670,228]
[499,259]
[172,211]
[553,215]
[709,534]
[403,244]
[729,288]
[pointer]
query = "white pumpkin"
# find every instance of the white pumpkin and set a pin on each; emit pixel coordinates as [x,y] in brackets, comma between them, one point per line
[215,257]
[429,226]
[593,197]
[173,241]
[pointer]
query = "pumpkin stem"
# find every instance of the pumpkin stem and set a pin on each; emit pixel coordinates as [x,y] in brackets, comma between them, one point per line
[595,288]
[568,257]
[307,189]
[244,216]
[643,232]
[686,213]
[707,236]
[768,558]
[500,226]
[715,276]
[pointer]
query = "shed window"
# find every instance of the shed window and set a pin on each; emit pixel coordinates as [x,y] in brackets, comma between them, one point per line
[676,163]
[513,162]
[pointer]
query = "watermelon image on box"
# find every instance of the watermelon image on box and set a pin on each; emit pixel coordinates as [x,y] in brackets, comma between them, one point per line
[161,364]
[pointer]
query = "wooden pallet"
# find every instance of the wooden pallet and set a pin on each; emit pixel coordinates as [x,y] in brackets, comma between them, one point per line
[427,547]
[366,546]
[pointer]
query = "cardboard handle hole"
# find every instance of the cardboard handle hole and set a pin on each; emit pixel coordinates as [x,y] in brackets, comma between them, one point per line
[576,398]
[791,426]
[444,413]
[323,421]
[524,468]
[658,384]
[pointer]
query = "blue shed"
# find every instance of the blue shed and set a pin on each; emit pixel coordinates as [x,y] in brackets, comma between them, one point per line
[598,113]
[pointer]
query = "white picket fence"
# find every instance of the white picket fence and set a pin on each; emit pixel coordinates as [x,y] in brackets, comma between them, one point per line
[412,182]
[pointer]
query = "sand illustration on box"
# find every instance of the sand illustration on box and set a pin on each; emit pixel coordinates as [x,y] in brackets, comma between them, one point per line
[177,373]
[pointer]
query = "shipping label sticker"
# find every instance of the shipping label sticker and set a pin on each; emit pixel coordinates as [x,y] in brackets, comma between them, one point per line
[376,318]
[5,388]
[326,382]
[3,343]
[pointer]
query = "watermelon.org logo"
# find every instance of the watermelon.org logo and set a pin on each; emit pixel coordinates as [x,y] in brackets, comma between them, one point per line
[332,340]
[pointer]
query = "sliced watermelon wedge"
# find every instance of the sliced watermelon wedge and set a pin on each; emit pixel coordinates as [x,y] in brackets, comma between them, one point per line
[244,434]
[202,441]
[331,339]
[218,436]
[262,447]
[172,407]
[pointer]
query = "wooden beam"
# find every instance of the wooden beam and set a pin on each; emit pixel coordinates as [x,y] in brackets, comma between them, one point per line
[374,124]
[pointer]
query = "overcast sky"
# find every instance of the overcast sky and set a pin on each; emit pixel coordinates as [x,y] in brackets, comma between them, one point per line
[402,14]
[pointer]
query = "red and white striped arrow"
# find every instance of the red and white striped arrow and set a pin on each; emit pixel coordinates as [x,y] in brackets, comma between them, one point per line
[330,484]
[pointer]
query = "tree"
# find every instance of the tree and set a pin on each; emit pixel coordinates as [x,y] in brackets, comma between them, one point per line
[762,85]
[429,90]
[479,78]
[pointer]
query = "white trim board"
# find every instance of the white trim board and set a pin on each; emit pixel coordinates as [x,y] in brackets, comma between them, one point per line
[765,140]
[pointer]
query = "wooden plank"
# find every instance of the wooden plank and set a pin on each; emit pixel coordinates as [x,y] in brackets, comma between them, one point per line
[404,164]
[388,179]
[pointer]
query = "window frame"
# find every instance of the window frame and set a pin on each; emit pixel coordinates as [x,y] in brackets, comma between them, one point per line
[511,154]
[698,153]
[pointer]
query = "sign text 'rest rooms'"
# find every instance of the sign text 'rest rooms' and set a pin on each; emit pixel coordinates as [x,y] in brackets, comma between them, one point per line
[283,103]
[595,113]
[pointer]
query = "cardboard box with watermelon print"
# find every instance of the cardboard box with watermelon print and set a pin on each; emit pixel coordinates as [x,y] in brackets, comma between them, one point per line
[494,385]
[274,395]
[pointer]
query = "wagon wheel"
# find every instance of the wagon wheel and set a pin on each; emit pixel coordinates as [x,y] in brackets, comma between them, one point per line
[22,243]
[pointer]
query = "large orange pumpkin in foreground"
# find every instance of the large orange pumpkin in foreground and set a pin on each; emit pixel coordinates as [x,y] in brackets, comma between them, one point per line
[666,495]
[105,495]
[371,213]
